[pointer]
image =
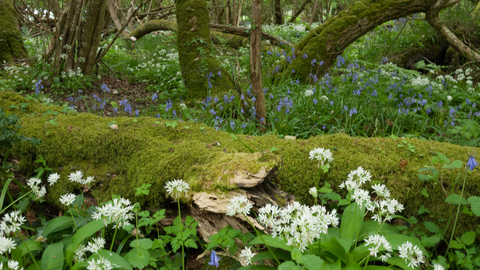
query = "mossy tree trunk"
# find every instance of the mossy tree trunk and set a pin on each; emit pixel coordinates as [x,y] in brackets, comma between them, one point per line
[11,44]
[278,13]
[201,71]
[330,39]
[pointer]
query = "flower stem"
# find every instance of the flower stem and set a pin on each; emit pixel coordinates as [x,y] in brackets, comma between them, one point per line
[262,239]
[113,240]
[28,249]
[458,211]
[181,234]
[71,214]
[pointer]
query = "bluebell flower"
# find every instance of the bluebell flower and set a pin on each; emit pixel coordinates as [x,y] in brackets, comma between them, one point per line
[472,163]
[315,101]
[321,63]
[105,88]
[253,99]
[232,124]
[345,107]
[219,74]
[115,110]
[324,127]
[242,111]
[136,113]
[158,115]
[313,62]
[80,91]
[212,111]
[154,97]
[305,56]
[429,110]
[293,70]
[374,93]
[288,91]
[243,125]
[440,104]
[331,103]
[269,52]
[221,108]
[174,114]
[169,105]
[468,101]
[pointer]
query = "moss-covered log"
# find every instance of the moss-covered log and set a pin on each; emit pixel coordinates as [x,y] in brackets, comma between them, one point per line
[146,151]
[11,43]
[201,71]
[330,39]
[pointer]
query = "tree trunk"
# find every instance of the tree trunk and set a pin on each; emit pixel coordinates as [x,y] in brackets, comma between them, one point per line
[11,43]
[329,40]
[112,8]
[299,11]
[91,34]
[199,68]
[256,61]
[433,19]
[278,13]
[313,13]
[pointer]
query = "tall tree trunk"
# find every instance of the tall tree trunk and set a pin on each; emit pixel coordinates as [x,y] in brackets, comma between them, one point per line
[199,68]
[329,40]
[256,61]
[278,13]
[11,43]
[313,12]
[91,34]
[299,11]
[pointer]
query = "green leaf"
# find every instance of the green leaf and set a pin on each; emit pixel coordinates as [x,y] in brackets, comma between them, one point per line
[53,257]
[331,196]
[455,199]
[258,267]
[443,158]
[333,246]
[423,210]
[273,149]
[82,234]
[352,221]
[114,258]
[138,258]
[271,242]
[288,266]
[57,224]
[431,227]
[474,204]
[144,243]
[296,254]
[22,249]
[424,177]
[4,191]
[266,255]
[431,241]
[468,238]
[311,262]
[424,192]
[457,164]
[454,244]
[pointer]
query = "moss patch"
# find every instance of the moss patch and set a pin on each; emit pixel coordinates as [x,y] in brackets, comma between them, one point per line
[11,43]
[147,151]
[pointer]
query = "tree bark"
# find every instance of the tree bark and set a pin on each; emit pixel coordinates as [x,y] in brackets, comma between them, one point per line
[256,62]
[199,67]
[278,13]
[299,11]
[434,20]
[313,13]
[91,34]
[330,39]
[11,43]
[112,8]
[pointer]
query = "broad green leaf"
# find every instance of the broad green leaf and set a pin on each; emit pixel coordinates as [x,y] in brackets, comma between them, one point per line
[258,267]
[454,244]
[474,202]
[443,158]
[296,254]
[457,164]
[455,199]
[311,262]
[431,227]
[334,247]
[22,249]
[114,258]
[468,238]
[424,177]
[352,221]
[431,241]
[58,224]
[372,226]
[424,192]
[79,265]
[138,258]
[53,257]
[266,255]
[331,196]
[271,242]
[4,191]
[288,266]
[144,243]
[82,234]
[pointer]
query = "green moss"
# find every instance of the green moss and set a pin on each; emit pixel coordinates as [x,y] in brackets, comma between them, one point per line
[329,40]
[195,52]
[11,43]
[148,152]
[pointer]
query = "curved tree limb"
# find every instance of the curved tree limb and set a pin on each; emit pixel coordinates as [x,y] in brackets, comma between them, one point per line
[434,20]
[167,25]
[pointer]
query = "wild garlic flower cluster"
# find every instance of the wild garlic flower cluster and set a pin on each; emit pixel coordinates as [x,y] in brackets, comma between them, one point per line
[93,247]
[100,264]
[377,242]
[67,199]
[34,184]
[248,255]
[322,155]
[383,207]
[411,254]
[239,205]
[119,212]
[11,222]
[11,265]
[299,224]
[77,177]
[176,187]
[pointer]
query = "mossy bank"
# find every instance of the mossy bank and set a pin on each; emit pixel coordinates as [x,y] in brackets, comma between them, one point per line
[146,150]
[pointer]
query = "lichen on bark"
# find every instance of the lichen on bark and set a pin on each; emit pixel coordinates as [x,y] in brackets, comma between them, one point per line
[198,64]
[11,43]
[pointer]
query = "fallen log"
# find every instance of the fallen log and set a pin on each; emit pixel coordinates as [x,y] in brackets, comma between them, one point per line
[147,150]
